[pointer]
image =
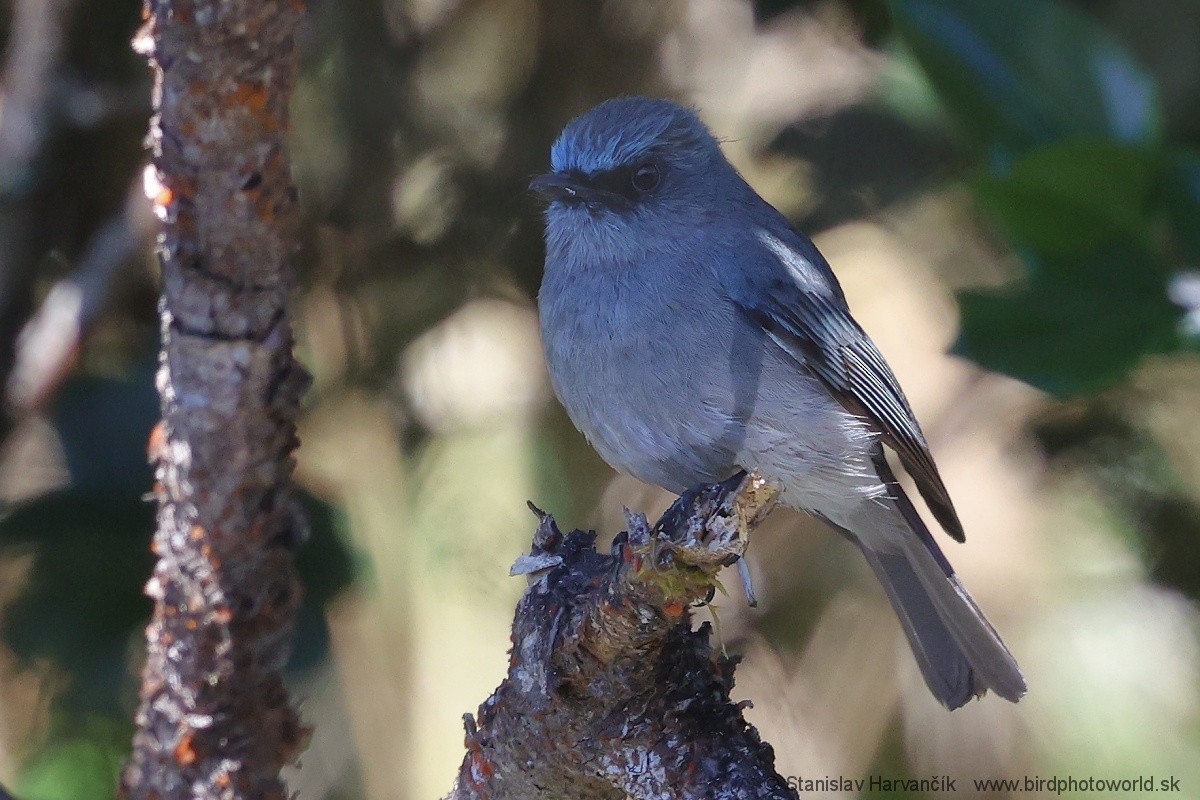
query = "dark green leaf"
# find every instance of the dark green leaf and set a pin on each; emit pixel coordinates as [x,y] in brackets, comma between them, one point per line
[327,566]
[1074,196]
[84,600]
[1078,325]
[1181,196]
[1020,73]
[103,425]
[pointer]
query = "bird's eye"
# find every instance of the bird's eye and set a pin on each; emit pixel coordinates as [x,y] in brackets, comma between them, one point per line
[646,177]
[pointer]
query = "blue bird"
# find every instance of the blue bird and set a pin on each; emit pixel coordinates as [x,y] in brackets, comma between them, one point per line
[692,332]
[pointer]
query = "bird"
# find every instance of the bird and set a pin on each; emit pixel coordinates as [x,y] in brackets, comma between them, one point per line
[691,332]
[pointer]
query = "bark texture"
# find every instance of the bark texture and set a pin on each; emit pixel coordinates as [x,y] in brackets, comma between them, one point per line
[610,693]
[215,719]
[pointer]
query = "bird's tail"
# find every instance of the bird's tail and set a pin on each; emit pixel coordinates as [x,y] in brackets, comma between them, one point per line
[960,654]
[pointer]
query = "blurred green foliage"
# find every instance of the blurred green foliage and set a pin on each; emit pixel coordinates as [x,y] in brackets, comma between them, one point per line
[83,609]
[1076,172]
[82,762]
[1027,73]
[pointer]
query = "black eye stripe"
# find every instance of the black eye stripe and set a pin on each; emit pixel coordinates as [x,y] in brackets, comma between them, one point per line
[617,181]
[620,180]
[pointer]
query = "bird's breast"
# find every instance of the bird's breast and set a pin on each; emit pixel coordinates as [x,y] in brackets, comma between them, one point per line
[641,360]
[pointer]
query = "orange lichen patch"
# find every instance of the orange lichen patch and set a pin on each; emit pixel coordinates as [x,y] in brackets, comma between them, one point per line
[481,769]
[185,751]
[164,197]
[632,558]
[156,445]
[223,615]
[251,95]
[196,533]
[673,609]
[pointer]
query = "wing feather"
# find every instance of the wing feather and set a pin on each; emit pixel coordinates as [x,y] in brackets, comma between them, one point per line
[814,325]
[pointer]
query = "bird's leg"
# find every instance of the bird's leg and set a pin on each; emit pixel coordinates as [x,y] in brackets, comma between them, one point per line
[727,488]
[747,581]
[747,498]
[756,497]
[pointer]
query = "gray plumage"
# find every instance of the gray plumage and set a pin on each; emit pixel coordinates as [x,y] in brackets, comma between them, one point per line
[691,332]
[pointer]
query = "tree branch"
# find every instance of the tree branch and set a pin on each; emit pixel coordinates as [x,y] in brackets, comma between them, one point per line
[609,691]
[48,346]
[31,65]
[215,720]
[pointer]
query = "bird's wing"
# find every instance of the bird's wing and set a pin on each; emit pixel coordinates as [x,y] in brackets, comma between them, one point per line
[796,299]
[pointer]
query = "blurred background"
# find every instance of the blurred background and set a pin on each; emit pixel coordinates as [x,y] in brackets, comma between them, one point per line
[1010,193]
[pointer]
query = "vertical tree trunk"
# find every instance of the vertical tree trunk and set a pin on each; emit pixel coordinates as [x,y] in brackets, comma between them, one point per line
[215,719]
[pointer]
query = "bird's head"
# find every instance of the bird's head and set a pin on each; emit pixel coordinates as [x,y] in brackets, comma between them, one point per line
[627,173]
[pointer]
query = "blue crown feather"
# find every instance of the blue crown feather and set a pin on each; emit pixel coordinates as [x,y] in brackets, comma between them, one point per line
[618,131]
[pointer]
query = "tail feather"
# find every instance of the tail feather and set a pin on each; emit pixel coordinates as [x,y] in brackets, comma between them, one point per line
[960,654]
[946,670]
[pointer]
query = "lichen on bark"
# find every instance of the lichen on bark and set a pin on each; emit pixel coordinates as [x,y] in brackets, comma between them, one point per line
[215,719]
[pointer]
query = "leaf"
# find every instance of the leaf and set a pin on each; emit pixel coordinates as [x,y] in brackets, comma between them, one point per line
[1021,73]
[1181,198]
[1079,324]
[327,566]
[103,424]
[84,596]
[84,602]
[1073,196]
[84,765]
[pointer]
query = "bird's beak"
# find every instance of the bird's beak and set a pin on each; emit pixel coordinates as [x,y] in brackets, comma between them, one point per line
[576,189]
[555,186]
